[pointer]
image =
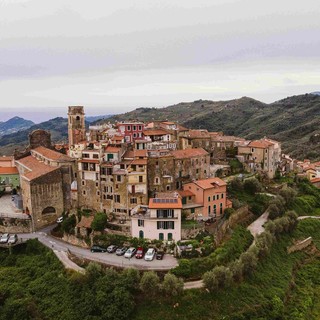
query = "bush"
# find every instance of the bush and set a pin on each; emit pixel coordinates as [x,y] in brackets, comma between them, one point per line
[219,277]
[149,283]
[183,269]
[249,261]
[228,212]
[236,184]
[99,222]
[289,195]
[252,186]
[69,224]
[171,285]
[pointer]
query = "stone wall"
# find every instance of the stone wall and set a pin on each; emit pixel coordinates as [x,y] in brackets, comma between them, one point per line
[75,240]
[300,245]
[15,225]
[242,215]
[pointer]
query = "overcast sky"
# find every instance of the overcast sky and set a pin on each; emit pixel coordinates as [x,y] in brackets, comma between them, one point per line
[114,56]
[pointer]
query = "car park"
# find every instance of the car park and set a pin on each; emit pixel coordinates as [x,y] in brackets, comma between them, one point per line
[159,255]
[96,248]
[13,239]
[4,238]
[140,253]
[149,256]
[121,251]
[130,252]
[112,248]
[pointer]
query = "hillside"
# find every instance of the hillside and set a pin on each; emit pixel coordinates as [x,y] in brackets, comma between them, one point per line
[294,121]
[58,128]
[14,124]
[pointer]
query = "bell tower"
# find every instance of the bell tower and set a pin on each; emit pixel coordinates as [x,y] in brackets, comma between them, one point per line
[76,125]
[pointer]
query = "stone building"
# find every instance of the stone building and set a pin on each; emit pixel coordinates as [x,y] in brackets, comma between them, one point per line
[45,180]
[262,155]
[76,125]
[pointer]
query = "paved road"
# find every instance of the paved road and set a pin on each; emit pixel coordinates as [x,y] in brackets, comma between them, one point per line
[167,263]
[306,217]
[256,227]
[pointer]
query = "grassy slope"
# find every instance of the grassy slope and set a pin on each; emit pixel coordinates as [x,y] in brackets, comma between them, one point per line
[253,298]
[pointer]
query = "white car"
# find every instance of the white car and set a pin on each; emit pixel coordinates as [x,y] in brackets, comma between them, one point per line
[13,239]
[4,238]
[149,256]
[130,252]
[60,219]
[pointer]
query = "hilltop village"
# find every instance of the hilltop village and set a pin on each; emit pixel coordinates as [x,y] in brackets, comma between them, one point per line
[143,176]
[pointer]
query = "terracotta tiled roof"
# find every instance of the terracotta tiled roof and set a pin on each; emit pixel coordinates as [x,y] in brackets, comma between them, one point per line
[85,222]
[187,153]
[90,160]
[112,149]
[129,154]
[9,170]
[140,161]
[6,158]
[197,134]
[260,144]
[185,193]
[168,122]
[155,132]
[36,168]
[52,155]
[182,128]
[210,183]
[166,203]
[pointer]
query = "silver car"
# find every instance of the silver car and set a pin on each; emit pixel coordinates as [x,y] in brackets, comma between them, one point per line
[130,252]
[149,256]
[13,239]
[4,238]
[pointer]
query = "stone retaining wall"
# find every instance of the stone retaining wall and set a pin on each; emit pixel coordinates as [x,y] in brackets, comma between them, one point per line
[15,225]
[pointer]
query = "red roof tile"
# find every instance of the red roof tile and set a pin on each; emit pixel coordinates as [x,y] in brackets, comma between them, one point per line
[155,132]
[85,222]
[9,170]
[185,193]
[112,149]
[210,183]
[36,168]
[51,154]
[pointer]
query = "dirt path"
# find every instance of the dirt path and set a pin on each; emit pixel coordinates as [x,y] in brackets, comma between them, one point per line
[256,227]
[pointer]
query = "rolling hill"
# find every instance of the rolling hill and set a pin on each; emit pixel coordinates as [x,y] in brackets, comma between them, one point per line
[294,121]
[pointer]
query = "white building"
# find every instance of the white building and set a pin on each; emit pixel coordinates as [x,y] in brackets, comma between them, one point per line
[160,220]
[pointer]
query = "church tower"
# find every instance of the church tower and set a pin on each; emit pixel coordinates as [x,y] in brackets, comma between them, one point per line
[76,125]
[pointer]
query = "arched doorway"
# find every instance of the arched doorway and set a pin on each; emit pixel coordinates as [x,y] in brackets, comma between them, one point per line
[141,235]
[48,210]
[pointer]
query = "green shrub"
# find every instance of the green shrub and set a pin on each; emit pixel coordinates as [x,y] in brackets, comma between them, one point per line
[171,285]
[99,222]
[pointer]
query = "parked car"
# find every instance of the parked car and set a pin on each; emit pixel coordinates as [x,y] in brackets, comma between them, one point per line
[149,256]
[4,238]
[130,252]
[96,248]
[140,253]
[60,219]
[159,255]
[121,251]
[13,239]
[112,248]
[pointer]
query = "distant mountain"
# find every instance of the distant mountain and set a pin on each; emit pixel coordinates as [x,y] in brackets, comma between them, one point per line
[14,125]
[58,128]
[96,118]
[294,121]
[317,93]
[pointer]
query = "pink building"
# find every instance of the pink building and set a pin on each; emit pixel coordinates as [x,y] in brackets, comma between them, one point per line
[211,194]
[160,220]
[131,130]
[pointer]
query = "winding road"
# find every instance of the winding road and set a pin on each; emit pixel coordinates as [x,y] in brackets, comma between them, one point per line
[62,248]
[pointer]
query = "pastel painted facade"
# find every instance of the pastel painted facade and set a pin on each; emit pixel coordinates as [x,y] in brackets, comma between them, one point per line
[131,130]
[160,220]
[211,193]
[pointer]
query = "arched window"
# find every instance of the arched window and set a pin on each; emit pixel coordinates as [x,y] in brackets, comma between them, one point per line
[48,210]
[141,234]
[161,236]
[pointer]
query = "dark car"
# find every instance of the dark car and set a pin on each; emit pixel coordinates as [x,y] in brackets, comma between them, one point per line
[140,253]
[159,255]
[112,248]
[121,251]
[96,248]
